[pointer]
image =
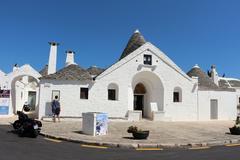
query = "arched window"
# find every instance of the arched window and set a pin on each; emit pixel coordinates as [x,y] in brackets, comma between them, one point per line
[177,94]
[113,91]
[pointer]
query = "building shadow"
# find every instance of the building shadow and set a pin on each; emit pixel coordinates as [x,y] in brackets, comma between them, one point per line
[128,138]
[78,132]
[48,109]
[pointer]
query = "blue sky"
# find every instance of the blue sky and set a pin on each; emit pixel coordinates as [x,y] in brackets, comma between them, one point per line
[189,31]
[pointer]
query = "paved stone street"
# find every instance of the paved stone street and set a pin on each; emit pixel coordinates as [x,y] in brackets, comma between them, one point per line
[161,133]
[168,134]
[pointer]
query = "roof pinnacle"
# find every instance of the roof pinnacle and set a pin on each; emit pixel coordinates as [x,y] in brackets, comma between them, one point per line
[136,31]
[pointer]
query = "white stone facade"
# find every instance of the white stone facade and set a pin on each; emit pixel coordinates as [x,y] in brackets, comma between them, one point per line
[227,104]
[160,80]
[20,82]
[161,89]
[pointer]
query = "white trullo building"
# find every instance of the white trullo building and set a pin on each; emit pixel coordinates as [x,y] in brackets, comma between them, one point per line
[144,82]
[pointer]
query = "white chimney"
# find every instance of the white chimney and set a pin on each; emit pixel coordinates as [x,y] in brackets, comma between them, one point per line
[52,63]
[15,67]
[214,74]
[70,58]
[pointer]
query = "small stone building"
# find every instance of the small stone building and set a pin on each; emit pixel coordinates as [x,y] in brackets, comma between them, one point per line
[143,83]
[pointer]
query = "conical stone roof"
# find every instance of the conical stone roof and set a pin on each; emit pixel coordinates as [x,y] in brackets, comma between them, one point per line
[204,81]
[94,71]
[135,41]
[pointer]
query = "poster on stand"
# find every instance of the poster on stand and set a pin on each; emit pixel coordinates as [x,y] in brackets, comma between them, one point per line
[4,101]
[4,106]
[101,124]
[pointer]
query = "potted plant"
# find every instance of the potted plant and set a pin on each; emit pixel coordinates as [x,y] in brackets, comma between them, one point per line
[138,133]
[236,128]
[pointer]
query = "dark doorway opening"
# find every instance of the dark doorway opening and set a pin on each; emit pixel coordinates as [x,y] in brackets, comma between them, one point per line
[32,100]
[139,92]
[139,103]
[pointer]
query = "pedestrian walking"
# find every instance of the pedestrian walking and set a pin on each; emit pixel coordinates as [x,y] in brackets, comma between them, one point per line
[56,109]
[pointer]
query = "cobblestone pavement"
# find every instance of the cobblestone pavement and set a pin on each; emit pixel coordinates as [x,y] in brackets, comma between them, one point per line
[161,133]
[168,134]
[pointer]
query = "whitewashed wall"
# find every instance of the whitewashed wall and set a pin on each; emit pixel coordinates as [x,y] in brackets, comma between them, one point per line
[169,74]
[10,82]
[227,104]
[21,92]
[72,105]
[163,71]
[20,95]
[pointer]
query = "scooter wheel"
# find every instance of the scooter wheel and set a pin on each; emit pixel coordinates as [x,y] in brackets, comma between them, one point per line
[20,133]
[17,124]
[34,133]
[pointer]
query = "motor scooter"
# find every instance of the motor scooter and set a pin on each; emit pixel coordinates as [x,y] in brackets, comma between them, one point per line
[26,126]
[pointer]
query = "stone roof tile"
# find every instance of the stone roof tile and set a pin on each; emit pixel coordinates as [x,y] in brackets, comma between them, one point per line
[94,71]
[203,79]
[70,72]
[205,83]
[44,71]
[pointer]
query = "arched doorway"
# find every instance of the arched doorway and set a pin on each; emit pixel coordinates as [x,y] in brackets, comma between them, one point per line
[148,93]
[24,87]
[139,93]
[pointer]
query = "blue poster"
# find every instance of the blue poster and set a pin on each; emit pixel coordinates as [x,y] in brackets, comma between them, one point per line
[101,124]
[4,110]
[4,106]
